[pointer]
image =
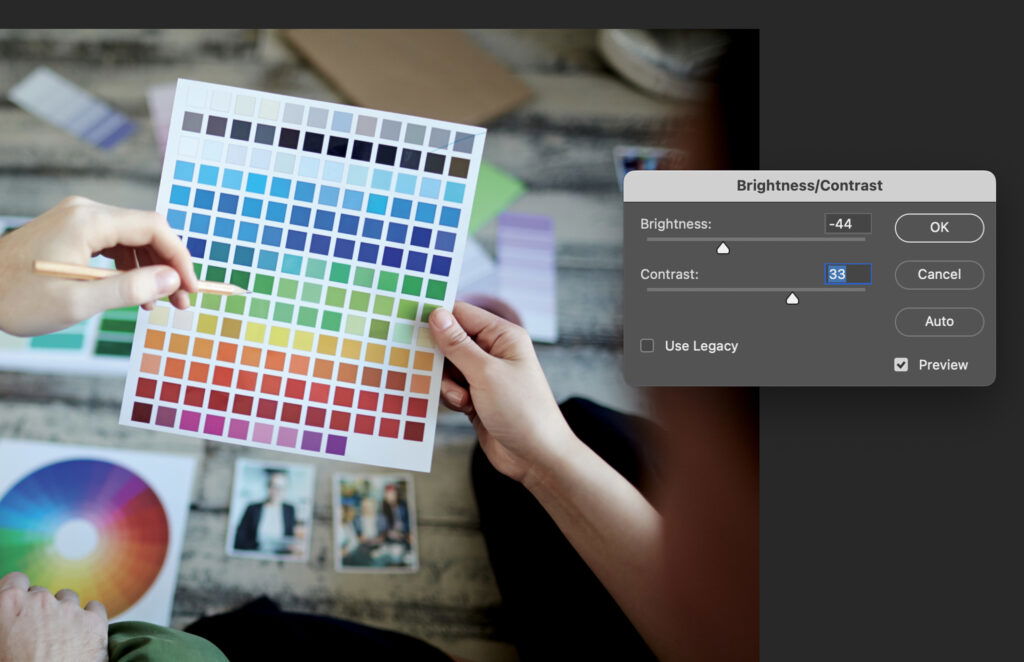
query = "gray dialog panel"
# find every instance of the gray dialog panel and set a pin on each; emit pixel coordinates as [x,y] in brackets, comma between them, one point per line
[809,278]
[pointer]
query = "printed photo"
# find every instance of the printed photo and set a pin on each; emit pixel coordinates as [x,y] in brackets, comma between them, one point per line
[375,523]
[271,510]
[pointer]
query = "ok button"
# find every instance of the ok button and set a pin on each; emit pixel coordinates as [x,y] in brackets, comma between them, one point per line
[940,322]
[939,228]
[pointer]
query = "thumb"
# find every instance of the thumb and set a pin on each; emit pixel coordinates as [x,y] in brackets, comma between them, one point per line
[456,345]
[132,287]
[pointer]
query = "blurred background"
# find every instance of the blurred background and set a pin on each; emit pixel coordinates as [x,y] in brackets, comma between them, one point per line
[569,112]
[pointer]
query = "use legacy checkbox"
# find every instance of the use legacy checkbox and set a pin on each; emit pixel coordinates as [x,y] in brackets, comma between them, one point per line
[900,364]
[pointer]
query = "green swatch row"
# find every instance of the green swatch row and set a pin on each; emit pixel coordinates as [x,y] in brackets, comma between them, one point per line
[386,281]
[329,320]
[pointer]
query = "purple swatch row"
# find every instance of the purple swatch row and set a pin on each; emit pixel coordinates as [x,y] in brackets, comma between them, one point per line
[236,428]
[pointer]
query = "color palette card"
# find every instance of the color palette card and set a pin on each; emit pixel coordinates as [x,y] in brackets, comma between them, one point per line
[348,226]
[527,272]
[54,99]
[98,346]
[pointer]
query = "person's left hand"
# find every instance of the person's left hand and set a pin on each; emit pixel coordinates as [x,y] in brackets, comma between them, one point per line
[38,627]
[155,263]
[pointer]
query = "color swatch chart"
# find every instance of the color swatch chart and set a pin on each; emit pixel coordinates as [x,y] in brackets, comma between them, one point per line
[98,346]
[347,226]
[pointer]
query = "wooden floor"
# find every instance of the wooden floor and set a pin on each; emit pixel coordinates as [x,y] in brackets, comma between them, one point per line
[559,143]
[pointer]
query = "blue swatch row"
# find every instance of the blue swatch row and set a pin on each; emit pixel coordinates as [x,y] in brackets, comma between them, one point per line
[366,251]
[303,191]
[372,228]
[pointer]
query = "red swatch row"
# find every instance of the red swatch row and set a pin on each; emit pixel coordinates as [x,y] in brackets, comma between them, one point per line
[309,415]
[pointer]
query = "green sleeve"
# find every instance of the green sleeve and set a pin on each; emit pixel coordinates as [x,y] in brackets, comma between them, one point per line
[134,641]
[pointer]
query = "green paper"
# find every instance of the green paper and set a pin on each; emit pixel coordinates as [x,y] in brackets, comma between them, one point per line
[495,191]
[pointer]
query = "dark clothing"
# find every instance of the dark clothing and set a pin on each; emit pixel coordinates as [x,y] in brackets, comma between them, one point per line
[553,607]
[261,631]
[397,518]
[245,535]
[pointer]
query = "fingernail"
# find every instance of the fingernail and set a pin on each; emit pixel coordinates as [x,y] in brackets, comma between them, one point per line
[167,281]
[453,397]
[441,319]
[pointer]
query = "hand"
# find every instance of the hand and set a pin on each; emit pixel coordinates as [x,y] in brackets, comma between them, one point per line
[141,243]
[38,627]
[496,380]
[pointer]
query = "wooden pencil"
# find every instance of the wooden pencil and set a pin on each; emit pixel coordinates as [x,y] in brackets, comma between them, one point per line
[77,272]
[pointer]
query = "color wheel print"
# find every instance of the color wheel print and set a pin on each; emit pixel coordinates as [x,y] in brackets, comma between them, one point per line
[89,525]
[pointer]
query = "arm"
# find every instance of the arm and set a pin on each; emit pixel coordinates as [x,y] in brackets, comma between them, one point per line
[496,380]
[613,528]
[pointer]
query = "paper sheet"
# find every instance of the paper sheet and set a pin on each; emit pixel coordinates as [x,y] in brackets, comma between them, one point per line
[479,271]
[160,101]
[441,74]
[348,225]
[56,100]
[495,191]
[105,522]
[527,275]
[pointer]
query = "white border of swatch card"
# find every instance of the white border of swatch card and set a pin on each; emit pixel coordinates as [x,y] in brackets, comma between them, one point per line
[207,98]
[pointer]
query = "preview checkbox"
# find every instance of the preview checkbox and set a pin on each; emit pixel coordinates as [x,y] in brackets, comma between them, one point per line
[900,364]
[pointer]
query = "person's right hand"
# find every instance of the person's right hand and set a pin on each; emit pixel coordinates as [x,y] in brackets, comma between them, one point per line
[38,627]
[155,263]
[499,384]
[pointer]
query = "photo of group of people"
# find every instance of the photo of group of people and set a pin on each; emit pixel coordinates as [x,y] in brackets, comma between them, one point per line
[374,523]
[271,510]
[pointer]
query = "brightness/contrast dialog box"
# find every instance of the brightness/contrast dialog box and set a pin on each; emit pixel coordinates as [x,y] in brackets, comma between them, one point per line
[818,278]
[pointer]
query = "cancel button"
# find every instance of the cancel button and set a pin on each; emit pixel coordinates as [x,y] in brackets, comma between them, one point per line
[940,322]
[939,274]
